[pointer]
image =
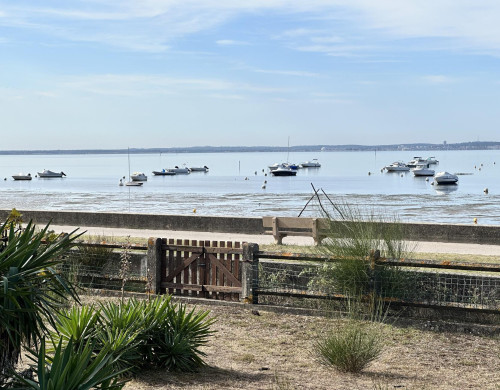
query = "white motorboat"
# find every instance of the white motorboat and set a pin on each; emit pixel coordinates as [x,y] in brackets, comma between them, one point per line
[423,170]
[134,183]
[310,164]
[445,178]
[397,166]
[178,170]
[284,170]
[138,176]
[416,161]
[50,174]
[431,160]
[163,172]
[289,165]
[22,176]
[199,169]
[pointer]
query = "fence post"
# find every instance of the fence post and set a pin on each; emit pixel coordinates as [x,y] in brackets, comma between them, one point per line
[154,264]
[249,273]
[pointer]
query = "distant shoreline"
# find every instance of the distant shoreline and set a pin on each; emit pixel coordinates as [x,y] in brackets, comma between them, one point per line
[416,147]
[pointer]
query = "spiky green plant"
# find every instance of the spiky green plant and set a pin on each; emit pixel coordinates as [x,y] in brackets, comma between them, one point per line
[178,342]
[78,324]
[31,289]
[141,334]
[72,367]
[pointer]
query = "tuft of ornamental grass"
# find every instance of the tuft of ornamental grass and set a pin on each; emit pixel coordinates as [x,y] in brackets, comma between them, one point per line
[350,347]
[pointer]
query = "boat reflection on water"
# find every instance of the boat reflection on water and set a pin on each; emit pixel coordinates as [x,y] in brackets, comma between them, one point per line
[444,190]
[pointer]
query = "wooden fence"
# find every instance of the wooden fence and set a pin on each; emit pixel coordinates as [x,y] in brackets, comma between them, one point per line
[239,271]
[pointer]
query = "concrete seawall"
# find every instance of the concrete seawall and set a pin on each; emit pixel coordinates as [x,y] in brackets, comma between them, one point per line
[144,221]
[473,234]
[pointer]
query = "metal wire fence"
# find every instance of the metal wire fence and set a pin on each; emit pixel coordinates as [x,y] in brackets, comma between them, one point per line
[298,282]
[101,267]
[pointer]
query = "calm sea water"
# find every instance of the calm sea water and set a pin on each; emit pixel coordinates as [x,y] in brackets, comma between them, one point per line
[233,186]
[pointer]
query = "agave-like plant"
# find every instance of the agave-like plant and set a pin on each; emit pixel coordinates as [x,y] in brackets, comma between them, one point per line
[72,367]
[180,338]
[31,289]
[79,324]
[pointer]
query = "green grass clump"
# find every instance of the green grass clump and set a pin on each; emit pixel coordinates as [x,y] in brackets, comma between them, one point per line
[350,347]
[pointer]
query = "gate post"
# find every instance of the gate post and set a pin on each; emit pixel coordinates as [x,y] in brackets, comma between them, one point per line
[249,273]
[154,264]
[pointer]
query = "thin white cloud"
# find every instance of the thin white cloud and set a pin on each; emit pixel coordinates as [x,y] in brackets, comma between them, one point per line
[230,42]
[297,73]
[152,24]
[227,97]
[151,85]
[438,79]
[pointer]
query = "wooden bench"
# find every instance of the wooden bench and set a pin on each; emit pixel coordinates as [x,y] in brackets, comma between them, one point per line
[281,227]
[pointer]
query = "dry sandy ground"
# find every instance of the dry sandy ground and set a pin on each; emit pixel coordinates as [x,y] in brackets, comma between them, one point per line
[274,351]
[426,247]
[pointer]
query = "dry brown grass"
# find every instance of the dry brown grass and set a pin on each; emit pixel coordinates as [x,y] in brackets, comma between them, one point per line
[273,351]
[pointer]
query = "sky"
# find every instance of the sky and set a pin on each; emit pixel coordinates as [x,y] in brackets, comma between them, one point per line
[99,74]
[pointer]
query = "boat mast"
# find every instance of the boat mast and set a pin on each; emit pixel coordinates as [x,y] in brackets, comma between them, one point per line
[288,151]
[128,153]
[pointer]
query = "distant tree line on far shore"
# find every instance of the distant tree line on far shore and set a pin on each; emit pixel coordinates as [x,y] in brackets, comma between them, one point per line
[477,145]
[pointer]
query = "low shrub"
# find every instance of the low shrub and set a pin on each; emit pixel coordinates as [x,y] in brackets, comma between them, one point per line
[350,347]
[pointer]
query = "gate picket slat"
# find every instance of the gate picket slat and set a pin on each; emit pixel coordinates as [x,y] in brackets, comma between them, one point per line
[170,263]
[194,271]
[185,279]
[236,267]
[163,266]
[222,277]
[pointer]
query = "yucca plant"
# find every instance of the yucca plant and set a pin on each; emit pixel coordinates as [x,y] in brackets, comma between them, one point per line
[178,341]
[166,334]
[31,289]
[78,325]
[72,367]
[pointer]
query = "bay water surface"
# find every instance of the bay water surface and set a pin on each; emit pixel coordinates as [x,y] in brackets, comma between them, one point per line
[234,184]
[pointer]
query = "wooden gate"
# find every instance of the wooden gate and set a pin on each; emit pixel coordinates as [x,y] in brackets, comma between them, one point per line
[205,269]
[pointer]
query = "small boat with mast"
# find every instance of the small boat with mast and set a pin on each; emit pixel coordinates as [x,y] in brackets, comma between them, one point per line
[131,182]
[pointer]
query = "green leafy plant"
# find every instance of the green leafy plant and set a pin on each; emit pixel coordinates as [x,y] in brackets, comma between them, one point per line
[178,341]
[31,290]
[155,333]
[72,367]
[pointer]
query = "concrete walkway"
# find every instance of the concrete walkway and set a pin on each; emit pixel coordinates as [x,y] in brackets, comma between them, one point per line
[423,247]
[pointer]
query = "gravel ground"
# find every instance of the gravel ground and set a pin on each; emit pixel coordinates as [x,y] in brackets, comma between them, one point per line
[267,350]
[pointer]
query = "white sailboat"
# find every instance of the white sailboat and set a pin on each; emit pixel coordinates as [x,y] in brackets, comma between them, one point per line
[131,182]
